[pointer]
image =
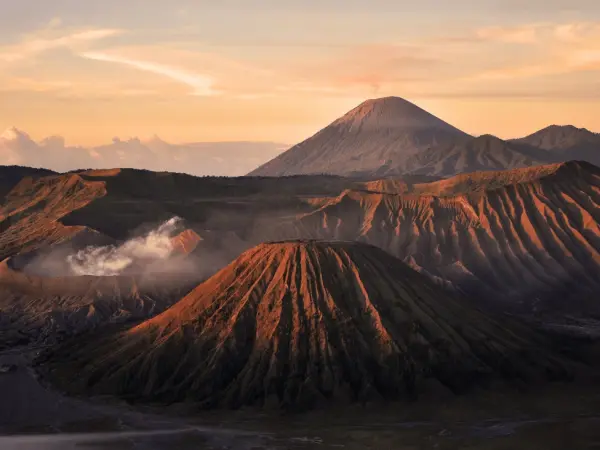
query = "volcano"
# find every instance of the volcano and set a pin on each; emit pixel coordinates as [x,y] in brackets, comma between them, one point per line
[298,324]
[374,138]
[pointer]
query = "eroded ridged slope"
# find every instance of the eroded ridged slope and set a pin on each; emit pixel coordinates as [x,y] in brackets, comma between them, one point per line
[30,214]
[529,241]
[295,324]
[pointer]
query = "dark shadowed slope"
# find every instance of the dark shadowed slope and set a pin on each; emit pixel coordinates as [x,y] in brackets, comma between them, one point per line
[295,324]
[374,138]
[11,175]
[532,241]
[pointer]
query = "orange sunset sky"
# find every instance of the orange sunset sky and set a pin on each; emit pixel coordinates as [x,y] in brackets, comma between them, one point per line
[280,70]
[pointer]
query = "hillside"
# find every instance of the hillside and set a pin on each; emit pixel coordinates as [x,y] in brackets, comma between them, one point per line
[558,138]
[11,175]
[566,142]
[373,139]
[36,309]
[30,213]
[532,244]
[481,153]
[484,180]
[525,238]
[107,206]
[300,324]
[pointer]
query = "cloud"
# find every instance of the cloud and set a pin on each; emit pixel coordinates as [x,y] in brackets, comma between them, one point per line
[586,59]
[55,22]
[462,61]
[110,260]
[200,158]
[524,34]
[36,45]
[202,85]
[524,71]
[576,32]
[563,49]
[31,85]
[364,69]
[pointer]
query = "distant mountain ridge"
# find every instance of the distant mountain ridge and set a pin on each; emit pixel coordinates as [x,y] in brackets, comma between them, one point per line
[390,137]
[560,137]
[566,143]
[485,152]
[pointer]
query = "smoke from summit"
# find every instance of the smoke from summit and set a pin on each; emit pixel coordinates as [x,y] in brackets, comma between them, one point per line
[111,260]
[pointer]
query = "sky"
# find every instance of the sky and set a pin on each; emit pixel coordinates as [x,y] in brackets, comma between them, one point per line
[279,70]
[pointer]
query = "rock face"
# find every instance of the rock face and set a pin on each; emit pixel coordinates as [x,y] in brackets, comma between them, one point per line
[31,212]
[531,237]
[479,182]
[527,236]
[297,324]
[374,138]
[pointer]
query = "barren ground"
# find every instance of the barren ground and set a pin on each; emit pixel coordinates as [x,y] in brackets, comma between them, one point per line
[35,417]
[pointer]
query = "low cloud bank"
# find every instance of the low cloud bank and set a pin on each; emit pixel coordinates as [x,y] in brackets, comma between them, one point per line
[201,158]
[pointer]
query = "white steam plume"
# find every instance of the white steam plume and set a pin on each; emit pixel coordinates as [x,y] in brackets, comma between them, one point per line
[113,260]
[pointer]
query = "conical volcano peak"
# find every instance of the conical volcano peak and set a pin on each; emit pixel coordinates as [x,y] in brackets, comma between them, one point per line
[391,112]
[375,137]
[293,244]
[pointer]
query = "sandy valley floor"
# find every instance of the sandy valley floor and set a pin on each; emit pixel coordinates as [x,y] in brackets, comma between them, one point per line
[35,417]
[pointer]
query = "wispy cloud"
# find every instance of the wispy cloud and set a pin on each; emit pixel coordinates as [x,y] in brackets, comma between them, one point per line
[524,34]
[515,72]
[576,32]
[520,54]
[35,45]
[202,85]
[561,49]
[586,59]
